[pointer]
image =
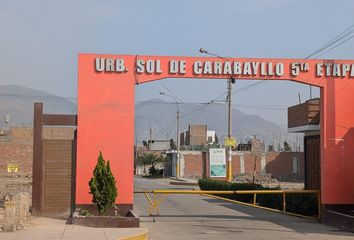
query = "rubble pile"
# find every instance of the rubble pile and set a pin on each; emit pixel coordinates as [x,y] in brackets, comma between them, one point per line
[262,179]
[14,186]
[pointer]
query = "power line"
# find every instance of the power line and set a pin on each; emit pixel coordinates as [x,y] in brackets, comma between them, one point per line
[336,46]
[249,86]
[36,96]
[332,41]
[198,110]
[346,33]
[220,96]
[174,95]
[321,51]
[168,90]
[206,105]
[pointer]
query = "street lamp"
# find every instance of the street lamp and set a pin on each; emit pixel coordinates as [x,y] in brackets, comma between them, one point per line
[202,50]
[231,81]
[177,117]
[150,129]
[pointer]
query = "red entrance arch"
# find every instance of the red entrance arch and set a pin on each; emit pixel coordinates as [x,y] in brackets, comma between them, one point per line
[106,111]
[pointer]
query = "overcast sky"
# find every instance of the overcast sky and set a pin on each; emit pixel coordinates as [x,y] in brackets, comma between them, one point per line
[40,41]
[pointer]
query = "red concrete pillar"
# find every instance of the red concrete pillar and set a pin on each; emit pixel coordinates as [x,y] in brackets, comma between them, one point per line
[105,123]
[337,141]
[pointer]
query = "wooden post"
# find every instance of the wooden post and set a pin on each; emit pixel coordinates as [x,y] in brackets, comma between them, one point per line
[73,175]
[254,168]
[37,170]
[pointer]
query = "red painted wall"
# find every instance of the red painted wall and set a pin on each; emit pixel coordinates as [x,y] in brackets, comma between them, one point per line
[337,141]
[106,119]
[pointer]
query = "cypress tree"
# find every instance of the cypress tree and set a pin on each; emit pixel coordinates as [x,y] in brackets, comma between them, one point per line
[103,186]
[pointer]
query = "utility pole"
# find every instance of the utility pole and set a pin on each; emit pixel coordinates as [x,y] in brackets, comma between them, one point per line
[178,157]
[150,133]
[231,81]
[229,129]
[177,118]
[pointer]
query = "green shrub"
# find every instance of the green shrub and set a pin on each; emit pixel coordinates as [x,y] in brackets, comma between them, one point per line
[85,213]
[103,186]
[210,184]
[296,203]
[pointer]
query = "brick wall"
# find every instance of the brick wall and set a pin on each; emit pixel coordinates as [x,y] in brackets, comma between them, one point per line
[304,114]
[17,148]
[281,164]
[16,153]
[193,165]
[278,164]
[197,134]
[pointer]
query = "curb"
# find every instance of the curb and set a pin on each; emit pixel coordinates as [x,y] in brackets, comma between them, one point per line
[184,183]
[139,236]
[176,179]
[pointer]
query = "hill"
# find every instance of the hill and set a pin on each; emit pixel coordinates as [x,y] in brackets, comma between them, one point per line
[162,116]
[17,101]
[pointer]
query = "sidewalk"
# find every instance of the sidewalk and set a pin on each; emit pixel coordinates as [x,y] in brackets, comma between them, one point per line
[48,229]
[183,181]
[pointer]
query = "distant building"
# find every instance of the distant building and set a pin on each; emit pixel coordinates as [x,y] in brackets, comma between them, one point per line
[244,146]
[196,135]
[210,137]
[159,145]
[305,118]
[182,138]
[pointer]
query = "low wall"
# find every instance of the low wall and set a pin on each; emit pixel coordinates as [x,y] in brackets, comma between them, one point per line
[16,148]
[278,164]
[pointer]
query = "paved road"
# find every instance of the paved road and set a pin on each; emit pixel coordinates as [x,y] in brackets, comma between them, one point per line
[198,217]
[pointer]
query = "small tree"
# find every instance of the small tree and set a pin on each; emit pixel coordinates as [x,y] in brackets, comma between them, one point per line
[287,147]
[172,144]
[144,160]
[103,186]
[151,160]
[216,140]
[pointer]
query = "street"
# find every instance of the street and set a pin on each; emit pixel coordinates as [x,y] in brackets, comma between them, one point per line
[200,217]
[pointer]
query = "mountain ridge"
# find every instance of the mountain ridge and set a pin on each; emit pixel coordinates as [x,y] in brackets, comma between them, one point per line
[17,101]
